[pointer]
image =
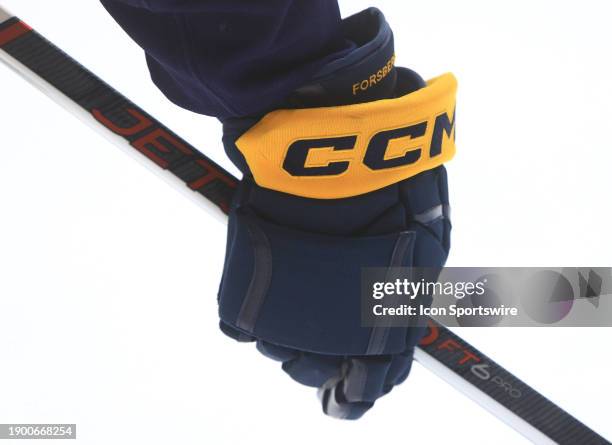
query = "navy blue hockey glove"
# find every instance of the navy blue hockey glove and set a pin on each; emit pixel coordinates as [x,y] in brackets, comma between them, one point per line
[347,174]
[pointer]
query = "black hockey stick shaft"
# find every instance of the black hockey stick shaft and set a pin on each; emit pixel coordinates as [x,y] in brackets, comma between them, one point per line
[443,352]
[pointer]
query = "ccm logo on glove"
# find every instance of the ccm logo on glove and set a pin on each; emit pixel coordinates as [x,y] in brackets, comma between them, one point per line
[376,154]
[338,152]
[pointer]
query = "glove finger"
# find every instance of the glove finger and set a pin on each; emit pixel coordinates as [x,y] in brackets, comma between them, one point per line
[313,369]
[335,404]
[365,378]
[276,352]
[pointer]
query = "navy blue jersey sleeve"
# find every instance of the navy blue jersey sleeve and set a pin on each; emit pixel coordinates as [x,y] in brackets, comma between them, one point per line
[232,58]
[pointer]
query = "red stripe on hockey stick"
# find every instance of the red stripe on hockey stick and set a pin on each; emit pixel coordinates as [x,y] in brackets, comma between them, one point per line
[13,32]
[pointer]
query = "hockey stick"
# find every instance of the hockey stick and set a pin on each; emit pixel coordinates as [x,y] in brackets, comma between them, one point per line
[162,151]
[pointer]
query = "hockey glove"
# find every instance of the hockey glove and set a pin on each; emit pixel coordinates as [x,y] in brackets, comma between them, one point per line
[347,175]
